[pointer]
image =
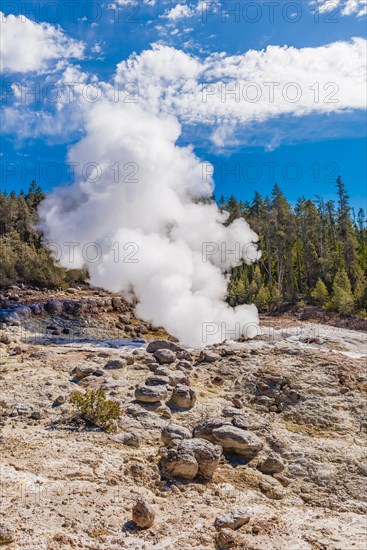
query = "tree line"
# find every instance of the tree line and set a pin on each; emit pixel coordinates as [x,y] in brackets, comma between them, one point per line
[23,256]
[312,253]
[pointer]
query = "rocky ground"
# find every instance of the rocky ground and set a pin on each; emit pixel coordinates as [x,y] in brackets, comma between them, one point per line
[253,445]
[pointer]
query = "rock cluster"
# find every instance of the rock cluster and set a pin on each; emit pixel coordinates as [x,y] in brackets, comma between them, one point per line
[232,438]
[168,382]
[190,458]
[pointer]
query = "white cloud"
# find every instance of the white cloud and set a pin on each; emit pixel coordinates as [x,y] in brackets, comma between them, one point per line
[358,7]
[27,46]
[230,93]
[180,11]
[345,7]
[255,86]
[183,10]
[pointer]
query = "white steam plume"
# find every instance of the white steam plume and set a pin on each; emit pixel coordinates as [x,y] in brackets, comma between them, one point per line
[152,202]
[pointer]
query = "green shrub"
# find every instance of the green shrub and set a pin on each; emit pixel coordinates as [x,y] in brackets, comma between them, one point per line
[96,408]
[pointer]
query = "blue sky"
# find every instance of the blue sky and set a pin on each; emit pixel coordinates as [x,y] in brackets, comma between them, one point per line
[297,145]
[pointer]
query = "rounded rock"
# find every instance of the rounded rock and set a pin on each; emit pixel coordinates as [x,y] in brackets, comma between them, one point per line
[165,356]
[143,514]
[183,397]
[173,434]
[238,441]
[150,394]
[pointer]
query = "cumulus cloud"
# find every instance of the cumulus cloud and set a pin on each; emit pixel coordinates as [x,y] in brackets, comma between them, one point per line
[27,46]
[255,86]
[180,11]
[345,7]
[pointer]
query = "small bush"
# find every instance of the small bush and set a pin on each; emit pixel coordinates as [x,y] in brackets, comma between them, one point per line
[96,408]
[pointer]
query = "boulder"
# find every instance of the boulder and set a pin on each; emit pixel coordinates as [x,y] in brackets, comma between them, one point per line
[271,465]
[184,364]
[204,430]
[156,345]
[183,397]
[173,434]
[208,356]
[179,463]
[238,441]
[143,514]
[192,457]
[165,356]
[150,394]
[80,372]
[226,538]
[159,370]
[240,422]
[116,364]
[157,381]
[234,519]
[178,377]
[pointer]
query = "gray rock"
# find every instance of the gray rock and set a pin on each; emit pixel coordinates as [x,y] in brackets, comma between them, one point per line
[208,356]
[60,399]
[204,430]
[184,364]
[184,355]
[240,422]
[238,441]
[125,319]
[233,519]
[148,420]
[150,394]
[157,381]
[173,434]
[226,538]
[142,329]
[80,372]
[165,356]
[132,439]
[271,465]
[116,364]
[162,344]
[231,411]
[143,514]
[183,397]
[178,377]
[192,457]
[162,371]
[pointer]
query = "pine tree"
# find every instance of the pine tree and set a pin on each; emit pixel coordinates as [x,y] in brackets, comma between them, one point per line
[320,293]
[342,299]
[263,298]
